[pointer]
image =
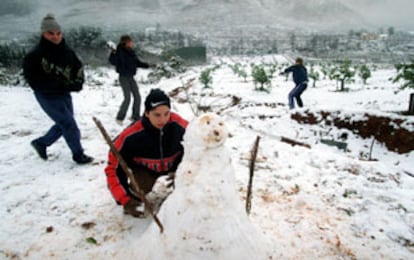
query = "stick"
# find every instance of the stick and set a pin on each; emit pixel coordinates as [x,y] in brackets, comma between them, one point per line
[409,173]
[251,173]
[293,142]
[280,138]
[370,150]
[134,185]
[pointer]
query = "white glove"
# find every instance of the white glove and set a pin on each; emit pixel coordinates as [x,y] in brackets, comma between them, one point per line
[111,45]
[163,187]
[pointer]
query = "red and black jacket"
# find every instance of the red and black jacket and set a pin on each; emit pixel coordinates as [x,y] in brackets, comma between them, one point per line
[143,145]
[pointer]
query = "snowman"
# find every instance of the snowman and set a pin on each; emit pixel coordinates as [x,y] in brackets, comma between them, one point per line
[204,217]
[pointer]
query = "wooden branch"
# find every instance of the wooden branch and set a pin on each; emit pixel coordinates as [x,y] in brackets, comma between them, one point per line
[251,174]
[293,142]
[134,184]
[278,137]
[185,87]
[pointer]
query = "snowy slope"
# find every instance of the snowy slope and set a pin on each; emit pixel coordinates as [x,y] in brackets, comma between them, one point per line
[317,203]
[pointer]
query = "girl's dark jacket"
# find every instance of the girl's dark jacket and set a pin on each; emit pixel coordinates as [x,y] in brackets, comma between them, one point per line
[53,68]
[142,145]
[299,73]
[126,61]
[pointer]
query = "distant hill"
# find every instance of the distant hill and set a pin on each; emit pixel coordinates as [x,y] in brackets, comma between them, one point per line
[200,16]
[216,14]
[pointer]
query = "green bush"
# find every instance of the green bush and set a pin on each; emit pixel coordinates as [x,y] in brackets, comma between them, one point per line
[260,77]
[205,78]
[364,73]
[11,55]
[239,71]
[342,73]
[313,74]
[84,37]
[11,77]
[88,44]
[167,70]
[405,72]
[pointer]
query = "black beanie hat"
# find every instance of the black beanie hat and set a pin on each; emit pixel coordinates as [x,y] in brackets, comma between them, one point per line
[156,98]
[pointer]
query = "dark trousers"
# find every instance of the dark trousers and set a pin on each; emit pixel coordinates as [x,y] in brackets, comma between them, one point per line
[295,93]
[60,109]
[144,177]
[129,86]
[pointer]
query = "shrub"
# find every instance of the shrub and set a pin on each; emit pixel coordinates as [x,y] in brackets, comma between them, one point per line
[342,73]
[313,74]
[205,78]
[405,72]
[167,70]
[260,77]
[84,37]
[11,55]
[364,73]
[88,43]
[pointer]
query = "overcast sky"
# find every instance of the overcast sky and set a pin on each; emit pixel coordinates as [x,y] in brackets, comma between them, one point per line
[393,13]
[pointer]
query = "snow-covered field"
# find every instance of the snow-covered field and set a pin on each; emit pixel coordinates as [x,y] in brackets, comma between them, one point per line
[317,203]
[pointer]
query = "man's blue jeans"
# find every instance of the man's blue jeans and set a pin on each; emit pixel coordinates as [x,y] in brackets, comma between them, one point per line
[60,109]
[295,93]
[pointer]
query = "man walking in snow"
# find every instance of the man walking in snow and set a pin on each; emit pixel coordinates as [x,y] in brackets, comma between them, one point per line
[53,70]
[152,148]
[126,63]
[300,78]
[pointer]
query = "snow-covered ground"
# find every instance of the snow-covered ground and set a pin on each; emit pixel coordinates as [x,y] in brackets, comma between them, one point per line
[317,203]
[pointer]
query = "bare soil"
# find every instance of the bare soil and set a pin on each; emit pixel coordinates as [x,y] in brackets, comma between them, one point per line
[389,131]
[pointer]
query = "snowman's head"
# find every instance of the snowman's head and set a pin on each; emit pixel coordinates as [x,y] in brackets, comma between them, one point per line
[207,130]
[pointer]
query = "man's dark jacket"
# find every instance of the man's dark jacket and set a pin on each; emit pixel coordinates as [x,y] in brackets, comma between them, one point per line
[53,69]
[299,73]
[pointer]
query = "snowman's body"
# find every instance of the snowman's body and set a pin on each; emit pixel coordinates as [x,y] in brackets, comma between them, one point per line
[203,218]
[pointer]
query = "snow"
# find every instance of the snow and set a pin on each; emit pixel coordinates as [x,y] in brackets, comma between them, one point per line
[317,203]
[204,217]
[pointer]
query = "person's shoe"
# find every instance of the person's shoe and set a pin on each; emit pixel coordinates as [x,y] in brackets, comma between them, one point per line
[40,149]
[82,158]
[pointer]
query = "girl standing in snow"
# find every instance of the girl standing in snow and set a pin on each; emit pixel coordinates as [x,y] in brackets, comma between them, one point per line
[126,63]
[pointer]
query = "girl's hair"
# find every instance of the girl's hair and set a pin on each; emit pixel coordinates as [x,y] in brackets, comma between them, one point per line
[124,39]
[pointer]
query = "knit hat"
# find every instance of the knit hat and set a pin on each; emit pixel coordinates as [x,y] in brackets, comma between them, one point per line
[49,24]
[156,98]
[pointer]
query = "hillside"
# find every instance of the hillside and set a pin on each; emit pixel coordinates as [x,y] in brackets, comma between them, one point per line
[200,16]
